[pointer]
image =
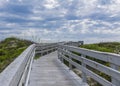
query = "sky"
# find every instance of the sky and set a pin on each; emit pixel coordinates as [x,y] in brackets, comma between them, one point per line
[61,20]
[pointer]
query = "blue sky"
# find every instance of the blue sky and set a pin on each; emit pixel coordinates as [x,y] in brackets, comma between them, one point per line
[60,20]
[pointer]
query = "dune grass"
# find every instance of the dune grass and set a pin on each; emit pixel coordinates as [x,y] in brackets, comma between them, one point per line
[112,47]
[10,48]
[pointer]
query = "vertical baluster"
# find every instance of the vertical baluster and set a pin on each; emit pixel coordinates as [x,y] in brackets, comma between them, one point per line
[58,53]
[113,80]
[62,60]
[84,77]
[70,65]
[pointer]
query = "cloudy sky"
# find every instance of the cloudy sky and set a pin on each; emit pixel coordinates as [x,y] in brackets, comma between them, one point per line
[59,20]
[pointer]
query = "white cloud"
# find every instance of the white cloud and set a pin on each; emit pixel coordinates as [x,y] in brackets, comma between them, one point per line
[50,4]
[85,7]
[3,2]
[113,8]
[61,19]
[106,31]
[98,39]
[20,0]
[36,18]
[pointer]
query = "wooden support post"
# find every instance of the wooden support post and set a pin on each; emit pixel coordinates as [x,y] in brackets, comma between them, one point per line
[70,65]
[62,60]
[114,80]
[58,54]
[84,77]
[41,54]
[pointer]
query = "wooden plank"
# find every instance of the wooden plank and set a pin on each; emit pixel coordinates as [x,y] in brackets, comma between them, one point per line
[44,47]
[12,74]
[109,71]
[96,77]
[44,50]
[108,57]
[49,71]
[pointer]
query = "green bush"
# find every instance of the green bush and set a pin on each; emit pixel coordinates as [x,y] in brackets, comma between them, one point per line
[2,52]
[112,47]
[99,47]
[10,48]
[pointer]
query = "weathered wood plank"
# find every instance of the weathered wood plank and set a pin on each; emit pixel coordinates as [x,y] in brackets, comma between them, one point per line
[109,71]
[113,59]
[96,77]
[12,74]
[49,71]
[107,57]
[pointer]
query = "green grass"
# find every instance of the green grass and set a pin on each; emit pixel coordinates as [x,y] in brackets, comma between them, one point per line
[37,56]
[10,48]
[112,47]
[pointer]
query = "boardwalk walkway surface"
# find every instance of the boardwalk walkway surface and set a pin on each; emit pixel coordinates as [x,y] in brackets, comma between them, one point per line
[49,71]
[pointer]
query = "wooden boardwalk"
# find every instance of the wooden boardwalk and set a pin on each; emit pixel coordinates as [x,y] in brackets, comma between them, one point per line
[49,71]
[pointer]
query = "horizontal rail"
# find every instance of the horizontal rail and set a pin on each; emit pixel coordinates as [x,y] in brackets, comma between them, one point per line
[18,72]
[66,52]
[88,72]
[11,76]
[44,47]
[74,43]
[98,66]
[42,51]
[29,70]
[107,57]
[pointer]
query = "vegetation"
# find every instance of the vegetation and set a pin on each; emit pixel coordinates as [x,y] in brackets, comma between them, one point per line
[37,56]
[10,48]
[112,47]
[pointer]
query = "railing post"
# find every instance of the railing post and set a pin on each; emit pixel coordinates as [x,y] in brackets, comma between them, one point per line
[58,51]
[61,59]
[41,54]
[59,56]
[70,65]
[113,80]
[84,77]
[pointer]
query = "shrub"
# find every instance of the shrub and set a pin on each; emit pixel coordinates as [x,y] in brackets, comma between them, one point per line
[10,48]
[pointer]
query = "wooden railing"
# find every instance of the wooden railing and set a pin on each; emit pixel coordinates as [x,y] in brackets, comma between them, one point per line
[18,72]
[71,43]
[45,49]
[87,61]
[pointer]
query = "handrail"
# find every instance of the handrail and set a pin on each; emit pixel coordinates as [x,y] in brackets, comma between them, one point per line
[29,70]
[104,56]
[18,72]
[66,52]
[11,76]
[46,48]
[71,43]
